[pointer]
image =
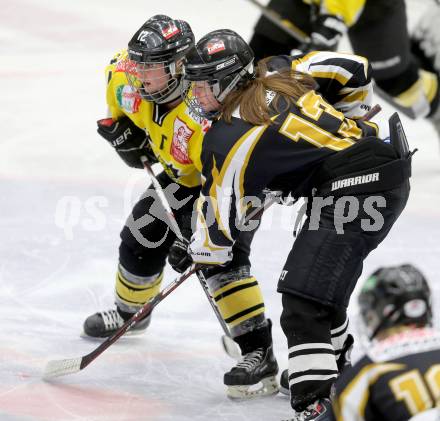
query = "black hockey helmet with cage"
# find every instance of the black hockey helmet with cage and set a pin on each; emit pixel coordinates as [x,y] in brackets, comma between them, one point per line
[224,60]
[395,296]
[160,40]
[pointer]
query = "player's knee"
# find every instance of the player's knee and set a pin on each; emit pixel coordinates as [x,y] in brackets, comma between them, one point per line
[141,261]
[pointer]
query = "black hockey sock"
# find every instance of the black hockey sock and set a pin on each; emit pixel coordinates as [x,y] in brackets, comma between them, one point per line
[257,338]
[126,315]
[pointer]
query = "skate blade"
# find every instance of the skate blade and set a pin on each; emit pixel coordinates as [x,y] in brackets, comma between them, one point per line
[268,386]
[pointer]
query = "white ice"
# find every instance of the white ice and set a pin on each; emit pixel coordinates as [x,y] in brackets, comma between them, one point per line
[64,197]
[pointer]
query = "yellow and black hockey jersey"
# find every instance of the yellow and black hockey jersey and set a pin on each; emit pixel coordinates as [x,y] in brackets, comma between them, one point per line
[240,160]
[398,379]
[175,135]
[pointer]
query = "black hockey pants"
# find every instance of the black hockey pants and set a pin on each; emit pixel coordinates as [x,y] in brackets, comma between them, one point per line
[317,280]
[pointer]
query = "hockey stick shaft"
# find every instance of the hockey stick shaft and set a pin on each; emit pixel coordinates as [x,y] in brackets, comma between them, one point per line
[137,317]
[370,114]
[163,200]
[284,24]
[173,222]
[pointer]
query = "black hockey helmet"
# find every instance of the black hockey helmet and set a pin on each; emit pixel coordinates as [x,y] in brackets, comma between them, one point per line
[224,60]
[394,296]
[161,40]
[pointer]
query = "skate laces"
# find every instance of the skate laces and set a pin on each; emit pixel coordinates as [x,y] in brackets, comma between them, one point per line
[112,319]
[251,360]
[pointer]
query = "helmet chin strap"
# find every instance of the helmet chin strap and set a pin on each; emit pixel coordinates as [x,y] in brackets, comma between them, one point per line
[172,96]
[246,70]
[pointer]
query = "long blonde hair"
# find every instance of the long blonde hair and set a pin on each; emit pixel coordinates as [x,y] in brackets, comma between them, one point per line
[287,84]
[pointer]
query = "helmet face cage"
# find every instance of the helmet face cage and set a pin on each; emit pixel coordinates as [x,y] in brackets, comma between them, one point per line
[393,297]
[193,103]
[155,81]
[219,84]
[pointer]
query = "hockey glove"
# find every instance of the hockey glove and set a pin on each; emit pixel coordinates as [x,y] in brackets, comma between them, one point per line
[178,257]
[327,31]
[129,141]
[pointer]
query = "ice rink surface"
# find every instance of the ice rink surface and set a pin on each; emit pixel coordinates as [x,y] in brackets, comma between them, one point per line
[64,197]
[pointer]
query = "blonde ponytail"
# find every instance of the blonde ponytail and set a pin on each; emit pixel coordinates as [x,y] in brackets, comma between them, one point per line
[287,84]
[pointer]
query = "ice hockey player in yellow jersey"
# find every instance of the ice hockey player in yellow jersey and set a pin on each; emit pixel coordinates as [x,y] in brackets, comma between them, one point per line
[148,118]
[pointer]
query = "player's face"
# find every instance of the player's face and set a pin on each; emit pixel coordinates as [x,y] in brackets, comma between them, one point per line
[202,91]
[153,76]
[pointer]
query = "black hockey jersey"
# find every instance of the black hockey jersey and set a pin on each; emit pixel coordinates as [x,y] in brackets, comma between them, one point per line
[398,379]
[240,160]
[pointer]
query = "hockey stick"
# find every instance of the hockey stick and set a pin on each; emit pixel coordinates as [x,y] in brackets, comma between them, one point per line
[228,343]
[58,368]
[287,26]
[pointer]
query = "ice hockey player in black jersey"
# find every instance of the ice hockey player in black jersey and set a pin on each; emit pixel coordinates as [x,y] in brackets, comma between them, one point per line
[399,377]
[272,130]
[406,68]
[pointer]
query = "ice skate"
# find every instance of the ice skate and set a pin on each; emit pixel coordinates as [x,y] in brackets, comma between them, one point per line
[319,410]
[254,375]
[105,323]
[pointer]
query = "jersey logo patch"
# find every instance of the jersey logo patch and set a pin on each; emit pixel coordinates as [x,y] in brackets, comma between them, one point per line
[170,31]
[128,99]
[179,145]
[215,47]
[203,122]
[126,66]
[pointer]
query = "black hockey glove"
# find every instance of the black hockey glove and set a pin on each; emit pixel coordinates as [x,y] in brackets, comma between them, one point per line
[178,257]
[129,141]
[327,31]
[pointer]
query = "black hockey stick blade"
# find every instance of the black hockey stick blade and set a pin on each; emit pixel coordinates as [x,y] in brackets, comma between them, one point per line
[57,368]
